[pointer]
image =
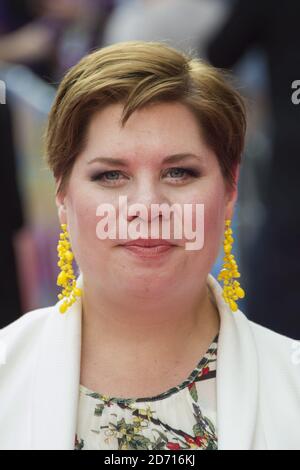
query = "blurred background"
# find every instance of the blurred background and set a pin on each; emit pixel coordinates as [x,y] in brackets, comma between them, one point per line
[258,41]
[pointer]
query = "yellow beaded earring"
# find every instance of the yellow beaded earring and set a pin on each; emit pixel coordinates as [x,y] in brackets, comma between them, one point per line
[232,290]
[66,277]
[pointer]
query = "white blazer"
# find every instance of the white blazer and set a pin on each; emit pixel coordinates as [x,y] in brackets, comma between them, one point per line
[258,381]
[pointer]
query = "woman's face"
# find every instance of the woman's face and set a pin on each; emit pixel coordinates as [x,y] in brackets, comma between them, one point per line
[148,138]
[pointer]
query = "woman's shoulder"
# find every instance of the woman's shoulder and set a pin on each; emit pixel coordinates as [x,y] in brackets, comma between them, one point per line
[27,320]
[269,337]
[273,349]
[277,352]
[28,326]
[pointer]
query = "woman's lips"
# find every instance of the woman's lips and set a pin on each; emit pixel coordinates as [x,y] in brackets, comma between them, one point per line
[148,248]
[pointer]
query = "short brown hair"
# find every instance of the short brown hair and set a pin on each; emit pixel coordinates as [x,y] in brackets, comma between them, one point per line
[138,73]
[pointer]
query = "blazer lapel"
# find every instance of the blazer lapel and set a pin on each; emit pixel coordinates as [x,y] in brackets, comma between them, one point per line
[57,377]
[237,377]
[56,380]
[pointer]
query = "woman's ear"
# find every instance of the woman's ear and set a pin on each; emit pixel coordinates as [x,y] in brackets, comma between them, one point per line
[237,174]
[232,195]
[60,204]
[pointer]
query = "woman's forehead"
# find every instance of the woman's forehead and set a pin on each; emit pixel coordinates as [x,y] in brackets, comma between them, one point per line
[163,132]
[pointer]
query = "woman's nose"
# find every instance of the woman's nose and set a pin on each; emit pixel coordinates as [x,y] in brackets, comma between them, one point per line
[145,201]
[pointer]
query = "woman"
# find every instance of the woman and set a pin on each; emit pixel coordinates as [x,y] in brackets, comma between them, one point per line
[145,349]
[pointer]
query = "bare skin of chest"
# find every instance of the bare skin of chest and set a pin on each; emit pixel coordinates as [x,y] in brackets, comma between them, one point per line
[129,380]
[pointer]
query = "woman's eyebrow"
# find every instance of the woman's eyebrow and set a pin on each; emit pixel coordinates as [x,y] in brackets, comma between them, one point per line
[124,163]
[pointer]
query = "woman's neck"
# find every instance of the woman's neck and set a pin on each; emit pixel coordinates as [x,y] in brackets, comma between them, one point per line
[141,333]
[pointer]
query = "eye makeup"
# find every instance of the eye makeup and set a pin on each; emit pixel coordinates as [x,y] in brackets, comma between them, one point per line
[111,176]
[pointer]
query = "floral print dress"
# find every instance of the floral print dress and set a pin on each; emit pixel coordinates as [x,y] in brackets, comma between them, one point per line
[182,418]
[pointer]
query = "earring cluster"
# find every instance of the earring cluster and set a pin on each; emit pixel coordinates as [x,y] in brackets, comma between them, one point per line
[66,278]
[232,290]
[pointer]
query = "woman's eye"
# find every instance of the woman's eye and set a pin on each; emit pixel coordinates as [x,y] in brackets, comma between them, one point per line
[107,176]
[114,177]
[182,173]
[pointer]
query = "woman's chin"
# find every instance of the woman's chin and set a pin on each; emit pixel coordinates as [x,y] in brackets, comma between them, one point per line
[148,287]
